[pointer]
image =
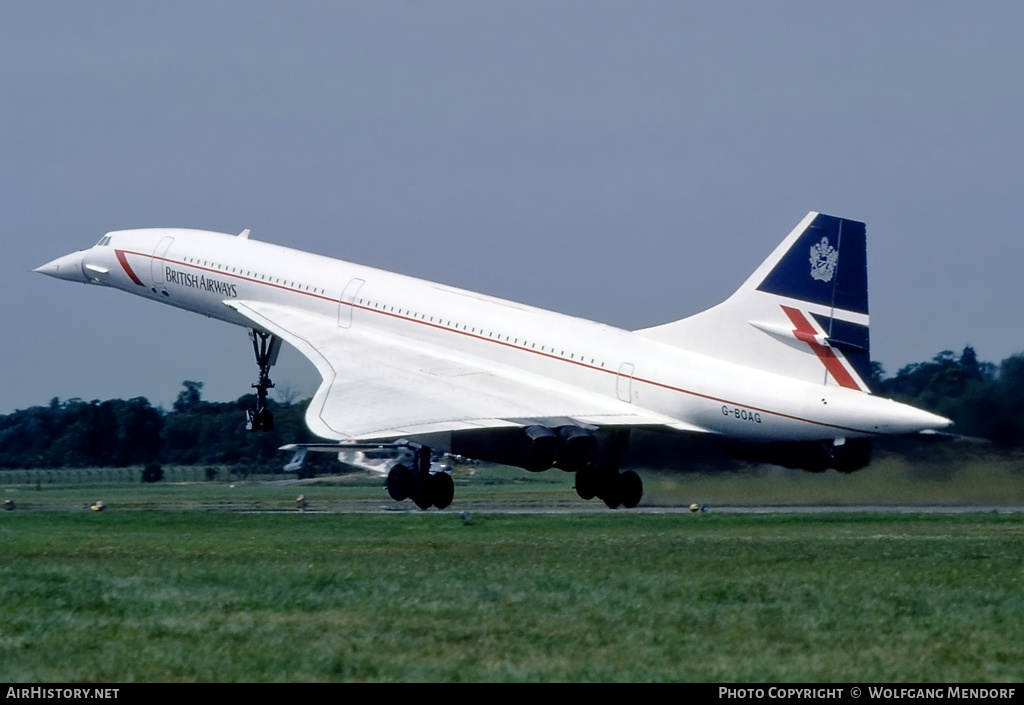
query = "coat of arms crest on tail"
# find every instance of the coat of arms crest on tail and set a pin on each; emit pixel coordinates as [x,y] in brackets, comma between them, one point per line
[824,258]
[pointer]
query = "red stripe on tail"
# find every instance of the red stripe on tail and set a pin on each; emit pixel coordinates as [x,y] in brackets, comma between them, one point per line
[803,330]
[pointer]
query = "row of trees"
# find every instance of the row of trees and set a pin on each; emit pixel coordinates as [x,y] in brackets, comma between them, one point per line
[118,433]
[983,399]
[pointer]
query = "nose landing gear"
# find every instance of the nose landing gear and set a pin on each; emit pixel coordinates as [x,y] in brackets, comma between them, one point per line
[266,348]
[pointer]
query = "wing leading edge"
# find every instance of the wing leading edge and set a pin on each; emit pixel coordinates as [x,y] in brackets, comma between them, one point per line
[379,386]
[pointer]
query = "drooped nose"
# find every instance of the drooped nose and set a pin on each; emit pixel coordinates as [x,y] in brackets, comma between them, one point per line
[68,267]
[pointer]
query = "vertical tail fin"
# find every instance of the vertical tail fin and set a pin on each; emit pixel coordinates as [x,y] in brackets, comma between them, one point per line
[803,313]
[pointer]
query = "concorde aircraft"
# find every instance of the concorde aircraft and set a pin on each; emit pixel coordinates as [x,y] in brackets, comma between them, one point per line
[420,368]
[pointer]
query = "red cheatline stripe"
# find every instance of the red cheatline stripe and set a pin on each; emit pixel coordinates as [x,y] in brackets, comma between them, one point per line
[805,331]
[124,263]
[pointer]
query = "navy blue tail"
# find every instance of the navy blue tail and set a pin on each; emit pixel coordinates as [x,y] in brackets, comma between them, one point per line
[826,265]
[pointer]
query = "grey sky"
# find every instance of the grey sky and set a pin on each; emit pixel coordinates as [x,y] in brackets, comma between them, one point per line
[629,162]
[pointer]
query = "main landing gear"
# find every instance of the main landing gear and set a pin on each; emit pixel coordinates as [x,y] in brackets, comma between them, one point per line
[615,489]
[409,478]
[426,489]
[266,348]
[601,477]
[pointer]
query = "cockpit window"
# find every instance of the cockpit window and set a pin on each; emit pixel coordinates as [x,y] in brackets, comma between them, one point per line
[105,240]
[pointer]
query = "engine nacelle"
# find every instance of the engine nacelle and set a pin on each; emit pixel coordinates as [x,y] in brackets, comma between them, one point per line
[579,447]
[534,448]
[543,448]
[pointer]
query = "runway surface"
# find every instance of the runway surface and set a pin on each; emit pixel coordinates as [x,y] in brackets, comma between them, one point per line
[520,508]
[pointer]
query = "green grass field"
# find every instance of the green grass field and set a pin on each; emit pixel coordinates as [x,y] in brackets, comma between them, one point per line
[204,581]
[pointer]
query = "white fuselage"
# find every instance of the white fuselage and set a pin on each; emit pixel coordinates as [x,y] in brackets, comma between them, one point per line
[198,271]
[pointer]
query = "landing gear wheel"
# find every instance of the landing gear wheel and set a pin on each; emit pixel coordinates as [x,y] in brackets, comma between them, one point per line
[421,496]
[442,489]
[610,492]
[265,419]
[261,420]
[399,482]
[586,483]
[630,489]
[611,500]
